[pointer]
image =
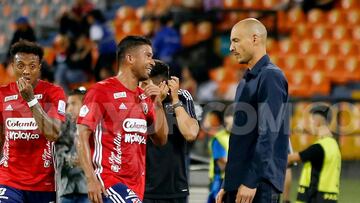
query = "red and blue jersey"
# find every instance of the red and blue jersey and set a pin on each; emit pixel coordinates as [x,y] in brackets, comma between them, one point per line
[27,161]
[120,119]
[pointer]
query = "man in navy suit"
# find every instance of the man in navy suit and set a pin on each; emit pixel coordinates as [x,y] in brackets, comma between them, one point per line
[258,145]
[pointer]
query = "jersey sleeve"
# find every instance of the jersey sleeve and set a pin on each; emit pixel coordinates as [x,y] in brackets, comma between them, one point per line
[57,104]
[93,109]
[188,102]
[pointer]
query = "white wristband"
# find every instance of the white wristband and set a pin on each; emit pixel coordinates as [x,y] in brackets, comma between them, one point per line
[32,102]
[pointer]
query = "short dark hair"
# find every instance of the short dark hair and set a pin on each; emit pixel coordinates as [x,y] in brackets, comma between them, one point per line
[322,110]
[129,43]
[24,46]
[160,69]
[80,91]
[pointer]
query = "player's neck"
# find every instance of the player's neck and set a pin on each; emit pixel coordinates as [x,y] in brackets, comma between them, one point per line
[128,80]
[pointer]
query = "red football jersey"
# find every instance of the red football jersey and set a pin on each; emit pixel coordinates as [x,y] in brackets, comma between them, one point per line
[27,162]
[119,119]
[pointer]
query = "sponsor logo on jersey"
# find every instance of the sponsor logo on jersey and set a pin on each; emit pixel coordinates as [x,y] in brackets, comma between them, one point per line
[118,95]
[9,108]
[21,124]
[134,138]
[135,125]
[61,107]
[122,106]
[21,135]
[10,98]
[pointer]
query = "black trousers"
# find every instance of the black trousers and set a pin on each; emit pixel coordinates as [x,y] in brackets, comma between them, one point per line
[265,193]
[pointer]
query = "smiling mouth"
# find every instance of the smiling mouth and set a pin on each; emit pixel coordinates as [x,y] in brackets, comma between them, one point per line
[27,79]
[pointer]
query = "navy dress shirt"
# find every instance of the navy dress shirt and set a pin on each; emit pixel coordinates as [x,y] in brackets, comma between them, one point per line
[258,145]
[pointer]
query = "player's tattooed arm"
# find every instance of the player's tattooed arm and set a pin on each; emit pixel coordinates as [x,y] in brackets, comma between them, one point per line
[95,189]
[48,126]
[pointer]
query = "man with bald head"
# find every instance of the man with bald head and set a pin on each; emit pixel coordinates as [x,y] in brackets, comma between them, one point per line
[258,144]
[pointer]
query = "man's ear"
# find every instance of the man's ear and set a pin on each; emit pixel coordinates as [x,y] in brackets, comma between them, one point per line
[129,58]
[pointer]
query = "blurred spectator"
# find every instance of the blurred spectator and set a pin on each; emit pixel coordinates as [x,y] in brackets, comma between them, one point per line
[75,65]
[167,41]
[72,186]
[218,147]
[72,22]
[188,82]
[106,45]
[23,30]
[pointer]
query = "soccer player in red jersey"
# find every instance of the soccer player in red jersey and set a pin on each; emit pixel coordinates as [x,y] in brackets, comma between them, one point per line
[118,116]
[31,112]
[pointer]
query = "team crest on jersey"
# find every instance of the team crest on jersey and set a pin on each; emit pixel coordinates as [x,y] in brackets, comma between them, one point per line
[10,98]
[145,108]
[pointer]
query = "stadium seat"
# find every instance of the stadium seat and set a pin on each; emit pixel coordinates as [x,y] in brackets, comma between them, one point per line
[349,4]
[300,32]
[188,34]
[307,47]
[353,17]
[253,4]
[271,45]
[287,46]
[347,48]
[320,32]
[340,32]
[326,48]
[335,17]
[292,62]
[313,62]
[267,4]
[355,33]
[335,68]
[203,30]
[315,16]
[147,27]
[320,83]
[125,13]
[232,4]
[352,68]
[299,83]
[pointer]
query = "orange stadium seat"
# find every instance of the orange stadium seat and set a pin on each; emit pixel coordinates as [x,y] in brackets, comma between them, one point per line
[355,33]
[347,48]
[300,32]
[313,62]
[326,48]
[269,3]
[147,27]
[320,83]
[352,68]
[340,32]
[271,45]
[287,46]
[335,68]
[204,31]
[299,82]
[320,32]
[307,47]
[125,13]
[254,4]
[335,17]
[232,4]
[315,16]
[353,17]
[349,4]
[292,62]
[188,34]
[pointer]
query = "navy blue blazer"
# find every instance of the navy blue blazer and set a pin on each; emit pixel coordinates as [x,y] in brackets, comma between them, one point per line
[258,145]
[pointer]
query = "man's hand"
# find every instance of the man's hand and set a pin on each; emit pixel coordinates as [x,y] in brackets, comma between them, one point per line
[95,190]
[156,93]
[220,196]
[26,90]
[174,85]
[245,194]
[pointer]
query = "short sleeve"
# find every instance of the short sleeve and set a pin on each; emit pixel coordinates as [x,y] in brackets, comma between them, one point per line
[218,150]
[57,104]
[188,103]
[93,109]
